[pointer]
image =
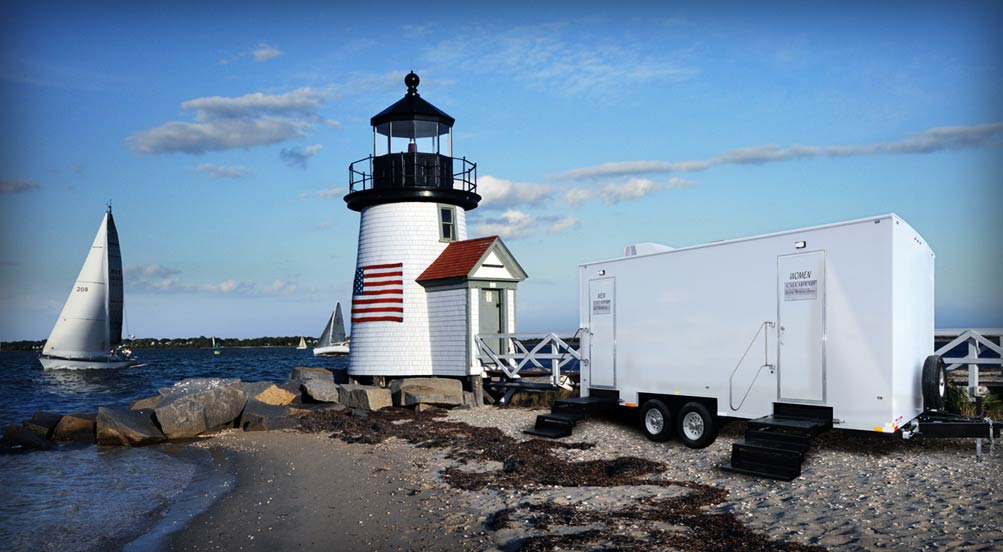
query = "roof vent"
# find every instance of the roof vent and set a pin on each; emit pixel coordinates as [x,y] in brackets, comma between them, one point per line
[645,248]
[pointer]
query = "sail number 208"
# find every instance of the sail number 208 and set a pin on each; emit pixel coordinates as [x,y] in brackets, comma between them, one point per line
[81,288]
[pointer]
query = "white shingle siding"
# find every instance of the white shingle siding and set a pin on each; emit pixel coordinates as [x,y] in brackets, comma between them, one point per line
[408,233]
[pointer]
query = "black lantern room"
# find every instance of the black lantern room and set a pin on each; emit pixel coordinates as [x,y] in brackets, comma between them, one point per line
[412,158]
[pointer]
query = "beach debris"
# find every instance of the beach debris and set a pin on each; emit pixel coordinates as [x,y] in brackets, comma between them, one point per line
[127,427]
[260,416]
[76,427]
[15,436]
[435,391]
[42,423]
[197,405]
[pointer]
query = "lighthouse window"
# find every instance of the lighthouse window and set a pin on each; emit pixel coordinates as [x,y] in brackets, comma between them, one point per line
[447,223]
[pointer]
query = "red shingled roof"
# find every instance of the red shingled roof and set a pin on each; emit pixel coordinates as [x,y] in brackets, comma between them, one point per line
[457,260]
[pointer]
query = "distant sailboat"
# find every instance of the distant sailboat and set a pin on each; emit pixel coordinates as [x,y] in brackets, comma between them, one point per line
[302,344]
[88,332]
[332,340]
[215,346]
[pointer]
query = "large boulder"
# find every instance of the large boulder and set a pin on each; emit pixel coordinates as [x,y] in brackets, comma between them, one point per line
[321,391]
[436,391]
[197,405]
[259,416]
[76,427]
[268,393]
[302,374]
[127,427]
[147,403]
[15,436]
[299,409]
[42,424]
[365,397]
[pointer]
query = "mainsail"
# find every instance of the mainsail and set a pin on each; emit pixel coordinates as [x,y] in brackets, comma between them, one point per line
[90,323]
[334,331]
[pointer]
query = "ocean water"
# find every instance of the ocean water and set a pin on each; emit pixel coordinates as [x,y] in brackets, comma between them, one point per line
[82,498]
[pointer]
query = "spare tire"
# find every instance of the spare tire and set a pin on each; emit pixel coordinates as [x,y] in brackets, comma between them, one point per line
[934,383]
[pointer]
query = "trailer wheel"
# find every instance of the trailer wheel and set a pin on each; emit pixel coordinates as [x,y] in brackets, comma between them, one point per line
[934,383]
[696,426]
[656,420]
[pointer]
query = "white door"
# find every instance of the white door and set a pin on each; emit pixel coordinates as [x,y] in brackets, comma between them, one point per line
[801,313]
[602,327]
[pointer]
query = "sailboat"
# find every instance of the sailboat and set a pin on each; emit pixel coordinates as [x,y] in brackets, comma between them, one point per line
[215,346]
[88,332]
[302,344]
[332,340]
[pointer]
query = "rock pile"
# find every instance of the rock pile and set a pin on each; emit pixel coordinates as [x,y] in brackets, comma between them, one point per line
[198,405]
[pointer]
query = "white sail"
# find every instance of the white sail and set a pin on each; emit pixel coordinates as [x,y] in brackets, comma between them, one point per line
[83,329]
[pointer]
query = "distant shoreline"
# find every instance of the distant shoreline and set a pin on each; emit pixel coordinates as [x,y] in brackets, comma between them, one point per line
[283,342]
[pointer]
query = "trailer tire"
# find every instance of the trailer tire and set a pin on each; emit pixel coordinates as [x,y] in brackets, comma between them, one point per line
[656,420]
[696,426]
[934,383]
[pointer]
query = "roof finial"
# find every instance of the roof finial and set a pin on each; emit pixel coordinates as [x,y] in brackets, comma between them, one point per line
[109,205]
[411,81]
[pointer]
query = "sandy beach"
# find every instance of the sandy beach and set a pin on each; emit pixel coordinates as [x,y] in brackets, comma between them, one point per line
[470,480]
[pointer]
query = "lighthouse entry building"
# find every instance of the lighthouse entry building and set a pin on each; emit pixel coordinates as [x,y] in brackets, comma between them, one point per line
[422,290]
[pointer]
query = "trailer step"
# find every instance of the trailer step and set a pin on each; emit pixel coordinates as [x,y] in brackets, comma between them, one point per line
[778,439]
[807,426]
[553,425]
[566,413]
[764,461]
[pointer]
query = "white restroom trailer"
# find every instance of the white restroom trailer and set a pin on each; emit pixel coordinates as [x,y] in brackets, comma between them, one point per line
[838,316]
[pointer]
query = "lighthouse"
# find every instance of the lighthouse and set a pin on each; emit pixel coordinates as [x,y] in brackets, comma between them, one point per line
[422,290]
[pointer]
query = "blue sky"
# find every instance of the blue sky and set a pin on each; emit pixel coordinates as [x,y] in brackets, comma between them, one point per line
[223,133]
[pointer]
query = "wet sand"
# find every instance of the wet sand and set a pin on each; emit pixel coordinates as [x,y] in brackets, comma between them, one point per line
[306,492]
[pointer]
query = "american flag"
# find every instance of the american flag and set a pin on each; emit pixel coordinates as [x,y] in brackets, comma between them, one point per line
[378,293]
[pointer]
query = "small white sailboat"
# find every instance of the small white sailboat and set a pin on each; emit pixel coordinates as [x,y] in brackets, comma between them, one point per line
[216,349]
[302,344]
[333,341]
[88,332]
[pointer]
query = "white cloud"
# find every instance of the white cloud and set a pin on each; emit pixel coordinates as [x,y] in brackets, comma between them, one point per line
[264,52]
[297,157]
[929,141]
[15,186]
[224,123]
[559,58]
[156,278]
[497,193]
[217,171]
[514,224]
[335,192]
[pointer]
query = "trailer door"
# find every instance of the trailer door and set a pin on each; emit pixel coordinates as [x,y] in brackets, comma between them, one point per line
[602,327]
[801,324]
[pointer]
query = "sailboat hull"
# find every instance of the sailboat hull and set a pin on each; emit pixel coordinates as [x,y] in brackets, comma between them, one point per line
[50,363]
[330,350]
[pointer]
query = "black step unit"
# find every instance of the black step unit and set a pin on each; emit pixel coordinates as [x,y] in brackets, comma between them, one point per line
[775,446]
[762,461]
[565,413]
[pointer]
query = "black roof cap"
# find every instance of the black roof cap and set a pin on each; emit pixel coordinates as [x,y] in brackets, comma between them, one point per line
[412,108]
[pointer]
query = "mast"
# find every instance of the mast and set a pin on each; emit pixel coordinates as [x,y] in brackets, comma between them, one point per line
[107,273]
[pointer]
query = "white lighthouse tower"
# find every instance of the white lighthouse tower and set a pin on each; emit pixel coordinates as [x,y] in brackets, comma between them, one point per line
[413,196]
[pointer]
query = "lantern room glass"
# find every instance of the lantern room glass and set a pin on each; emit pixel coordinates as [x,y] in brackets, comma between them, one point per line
[412,137]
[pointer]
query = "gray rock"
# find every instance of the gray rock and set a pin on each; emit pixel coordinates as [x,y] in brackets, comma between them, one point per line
[194,406]
[345,390]
[367,398]
[321,390]
[76,427]
[425,408]
[298,409]
[437,391]
[149,402]
[252,388]
[468,399]
[42,423]
[259,416]
[303,374]
[127,427]
[15,436]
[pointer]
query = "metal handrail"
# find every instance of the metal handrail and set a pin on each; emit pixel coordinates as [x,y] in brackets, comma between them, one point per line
[766,358]
[560,354]
[466,176]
